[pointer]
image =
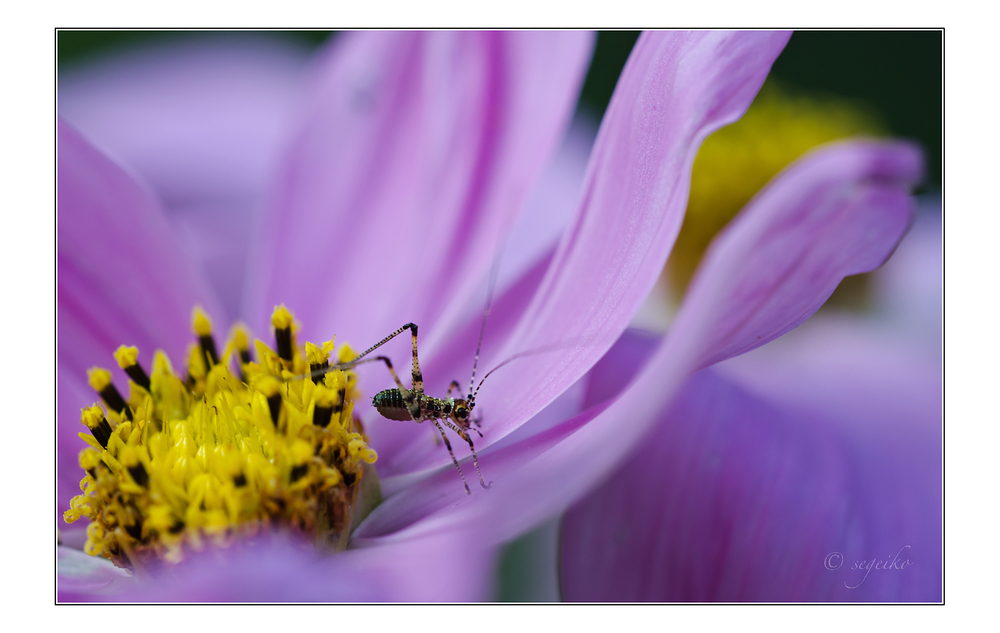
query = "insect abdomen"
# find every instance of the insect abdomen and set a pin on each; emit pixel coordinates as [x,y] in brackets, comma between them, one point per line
[390,404]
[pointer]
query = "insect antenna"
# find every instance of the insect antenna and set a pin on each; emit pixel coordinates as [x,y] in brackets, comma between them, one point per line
[482,328]
[544,349]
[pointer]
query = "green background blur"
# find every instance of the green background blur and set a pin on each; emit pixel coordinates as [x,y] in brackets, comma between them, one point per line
[898,74]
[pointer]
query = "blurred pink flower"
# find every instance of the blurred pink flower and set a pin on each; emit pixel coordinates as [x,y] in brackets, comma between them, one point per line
[411,154]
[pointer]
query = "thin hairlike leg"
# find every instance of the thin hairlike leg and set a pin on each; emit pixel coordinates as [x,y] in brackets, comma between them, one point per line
[465,436]
[418,379]
[417,387]
[388,363]
[455,461]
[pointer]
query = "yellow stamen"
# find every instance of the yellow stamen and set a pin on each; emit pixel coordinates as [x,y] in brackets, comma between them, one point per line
[98,378]
[240,338]
[126,356]
[281,318]
[316,355]
[215,456]
[200,322]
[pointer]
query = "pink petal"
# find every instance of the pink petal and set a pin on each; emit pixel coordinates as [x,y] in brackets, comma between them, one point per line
[838,211]
[81,574]
[738,497]
[509,507]
[415,153]
[201,120]
[122,278]
[579,454]
[525,258]
[446,567]
[551,205]
[675,89]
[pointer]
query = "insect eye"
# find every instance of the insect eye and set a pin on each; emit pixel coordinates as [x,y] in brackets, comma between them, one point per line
[462,412]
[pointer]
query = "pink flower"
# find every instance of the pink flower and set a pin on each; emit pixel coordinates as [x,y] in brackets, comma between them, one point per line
[409,159]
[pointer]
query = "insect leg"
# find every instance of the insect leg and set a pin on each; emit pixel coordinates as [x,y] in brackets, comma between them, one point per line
[388,363]
[417,385]
[454,461]
[454,387]
[418,378]
[357,359]
[465,436]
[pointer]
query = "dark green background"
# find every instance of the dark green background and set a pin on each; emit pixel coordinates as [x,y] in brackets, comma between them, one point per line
[898,73]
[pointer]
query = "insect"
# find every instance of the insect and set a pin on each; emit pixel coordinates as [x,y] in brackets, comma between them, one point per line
[413,404]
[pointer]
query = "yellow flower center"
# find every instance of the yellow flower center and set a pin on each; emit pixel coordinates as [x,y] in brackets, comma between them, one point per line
[217,455]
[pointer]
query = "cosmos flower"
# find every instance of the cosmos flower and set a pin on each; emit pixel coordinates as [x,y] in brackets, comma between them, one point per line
[410,157]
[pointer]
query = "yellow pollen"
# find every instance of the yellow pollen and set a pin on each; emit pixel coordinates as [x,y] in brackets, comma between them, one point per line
[201,461]
[92,416]
[317,355]
[325,397]
[200,322]
[126,356]
[281,318]
[98,378]
[241,338]
[90,459]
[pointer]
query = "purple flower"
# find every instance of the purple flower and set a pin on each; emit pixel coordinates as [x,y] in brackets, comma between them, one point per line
[409,158]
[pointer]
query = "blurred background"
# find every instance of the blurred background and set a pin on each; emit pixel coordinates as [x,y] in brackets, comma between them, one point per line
[824,86]
[897,74]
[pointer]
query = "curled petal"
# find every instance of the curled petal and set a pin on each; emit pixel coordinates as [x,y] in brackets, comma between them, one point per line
[416,152]
[676,88]
[859,236]
[739,497]
[840,210]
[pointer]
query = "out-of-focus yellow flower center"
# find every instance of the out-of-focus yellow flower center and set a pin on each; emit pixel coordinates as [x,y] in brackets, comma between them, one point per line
[218,454]
[736,161]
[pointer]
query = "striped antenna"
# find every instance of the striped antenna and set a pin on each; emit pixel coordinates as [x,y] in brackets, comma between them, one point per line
[482,328]
[543,349]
